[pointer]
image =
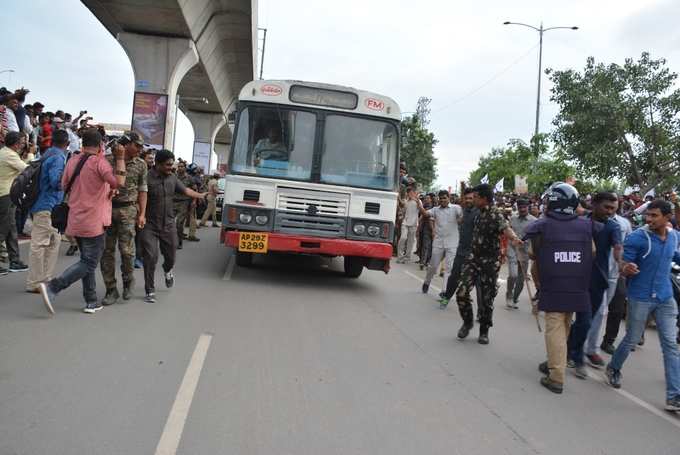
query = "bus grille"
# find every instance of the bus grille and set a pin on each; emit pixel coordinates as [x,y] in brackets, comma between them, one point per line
[313,203]
[304,224]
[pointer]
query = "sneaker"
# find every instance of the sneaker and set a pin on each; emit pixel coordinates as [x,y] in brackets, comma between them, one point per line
[441,295]
[515,305]
[673,405]
[3,271]
[443,303]
[464,331]
[508,303]
[554,387]
[571,363]
[193,238]
[580,372]
[71,250]
[111,297]
[33,290]
[150,297]
[92,307]
[543,368]
[613,377]
[138,264]
[595,360]
[179,246]
[607,348]
[47,297]
[169,279]
[17,266]
[426,287]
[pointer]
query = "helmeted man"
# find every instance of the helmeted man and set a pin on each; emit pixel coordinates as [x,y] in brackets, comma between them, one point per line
[518,257]
[562,251]
[482,265]
[128,211]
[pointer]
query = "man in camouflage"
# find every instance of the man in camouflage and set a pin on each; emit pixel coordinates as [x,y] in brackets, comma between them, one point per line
[483,263]
[128,211]
[181,202]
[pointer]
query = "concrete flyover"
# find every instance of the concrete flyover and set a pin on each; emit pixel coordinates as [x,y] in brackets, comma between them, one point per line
[198,53]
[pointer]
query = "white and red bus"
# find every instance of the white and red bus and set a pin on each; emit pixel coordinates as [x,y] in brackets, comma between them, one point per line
[313,169]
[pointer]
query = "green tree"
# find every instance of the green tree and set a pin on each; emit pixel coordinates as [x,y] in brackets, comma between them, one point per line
[536,161]
[417,147]
[620,121]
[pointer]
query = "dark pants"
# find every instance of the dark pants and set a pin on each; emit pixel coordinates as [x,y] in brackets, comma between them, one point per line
[617,310]
[425,250]
[138,244]
[581,326]
[91,250]
[8,228]
[152,238]
[454,278]
[21,217]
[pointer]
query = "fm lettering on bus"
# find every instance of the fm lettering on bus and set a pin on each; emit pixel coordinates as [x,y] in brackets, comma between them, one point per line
[568,257]
[375,105]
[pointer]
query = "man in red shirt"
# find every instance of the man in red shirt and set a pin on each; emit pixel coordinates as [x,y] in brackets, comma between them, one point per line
[45,135]
[89,214]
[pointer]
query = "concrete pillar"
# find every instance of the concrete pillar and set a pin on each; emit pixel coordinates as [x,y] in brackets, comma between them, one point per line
[159,64]
[222,151]
[206,125]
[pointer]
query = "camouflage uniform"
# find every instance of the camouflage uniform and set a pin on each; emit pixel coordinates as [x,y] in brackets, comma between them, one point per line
[181,204]
[122,229]
[481,266]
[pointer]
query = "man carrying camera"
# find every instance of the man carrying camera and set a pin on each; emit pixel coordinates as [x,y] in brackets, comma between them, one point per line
[128,210]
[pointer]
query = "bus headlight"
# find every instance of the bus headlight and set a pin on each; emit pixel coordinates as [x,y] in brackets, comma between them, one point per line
[245,218]
[261,219]
[359,229]
[373,230]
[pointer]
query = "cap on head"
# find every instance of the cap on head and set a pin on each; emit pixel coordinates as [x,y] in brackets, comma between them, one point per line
[135,138]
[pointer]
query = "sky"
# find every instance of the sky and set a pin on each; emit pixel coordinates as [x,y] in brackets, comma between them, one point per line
[480,74]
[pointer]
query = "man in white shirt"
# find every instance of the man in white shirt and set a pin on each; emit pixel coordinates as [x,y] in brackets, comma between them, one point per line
[408,227]
[12,104]
[446,218]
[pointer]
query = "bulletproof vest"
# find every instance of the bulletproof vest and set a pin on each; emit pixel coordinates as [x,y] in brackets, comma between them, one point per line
[565,261]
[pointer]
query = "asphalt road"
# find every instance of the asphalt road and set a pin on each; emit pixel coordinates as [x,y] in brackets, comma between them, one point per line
[290,357]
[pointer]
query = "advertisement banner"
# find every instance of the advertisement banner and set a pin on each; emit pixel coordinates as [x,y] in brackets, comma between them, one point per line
[202,154]
[521,185]
[148,118]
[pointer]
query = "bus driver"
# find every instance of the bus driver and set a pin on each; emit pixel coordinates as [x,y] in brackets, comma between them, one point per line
[271,147]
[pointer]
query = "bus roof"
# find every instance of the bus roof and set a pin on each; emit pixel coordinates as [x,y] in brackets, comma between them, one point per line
[308,93]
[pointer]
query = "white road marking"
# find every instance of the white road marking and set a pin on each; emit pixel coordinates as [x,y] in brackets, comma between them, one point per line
[599,376]
[421,280]
[174,426]
[231,261]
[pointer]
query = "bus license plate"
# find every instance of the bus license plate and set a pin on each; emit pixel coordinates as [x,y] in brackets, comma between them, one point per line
[253,242]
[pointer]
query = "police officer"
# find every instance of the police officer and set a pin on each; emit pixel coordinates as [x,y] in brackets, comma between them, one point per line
[182,202]
[482,265]
[128,210]
[562,250]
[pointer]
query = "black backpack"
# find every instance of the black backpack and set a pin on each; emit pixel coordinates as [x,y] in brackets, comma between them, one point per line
[26,186]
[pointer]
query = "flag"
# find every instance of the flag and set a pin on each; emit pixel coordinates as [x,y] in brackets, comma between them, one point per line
[485,179]
[651,193]
[499,186]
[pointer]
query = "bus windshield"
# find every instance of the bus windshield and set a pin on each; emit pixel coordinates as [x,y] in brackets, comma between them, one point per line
[280,142]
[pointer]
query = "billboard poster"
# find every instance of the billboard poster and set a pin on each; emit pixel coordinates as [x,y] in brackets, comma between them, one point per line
[149,112]
[202,152]
[521,185]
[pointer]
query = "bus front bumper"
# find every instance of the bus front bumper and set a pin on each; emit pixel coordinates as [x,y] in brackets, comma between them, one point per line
[316,245]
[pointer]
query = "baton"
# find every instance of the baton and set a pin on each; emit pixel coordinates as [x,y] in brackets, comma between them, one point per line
[532,297]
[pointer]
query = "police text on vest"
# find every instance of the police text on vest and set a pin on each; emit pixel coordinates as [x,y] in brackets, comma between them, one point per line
[568,256]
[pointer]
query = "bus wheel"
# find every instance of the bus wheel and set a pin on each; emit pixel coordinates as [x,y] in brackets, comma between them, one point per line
[244,259]
[353,266]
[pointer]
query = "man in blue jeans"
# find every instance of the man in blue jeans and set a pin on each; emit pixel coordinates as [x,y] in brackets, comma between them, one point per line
[647,257]
[606,236]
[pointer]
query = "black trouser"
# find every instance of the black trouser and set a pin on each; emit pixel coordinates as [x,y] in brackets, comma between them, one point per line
[152,237]
[8,228]
[454,277]
[617,310]
[138,244]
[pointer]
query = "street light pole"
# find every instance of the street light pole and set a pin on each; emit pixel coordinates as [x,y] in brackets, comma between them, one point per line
[7,71]
[540,31]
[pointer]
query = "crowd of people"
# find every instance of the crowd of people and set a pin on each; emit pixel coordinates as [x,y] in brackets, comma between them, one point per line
[593,260]
[98,192]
